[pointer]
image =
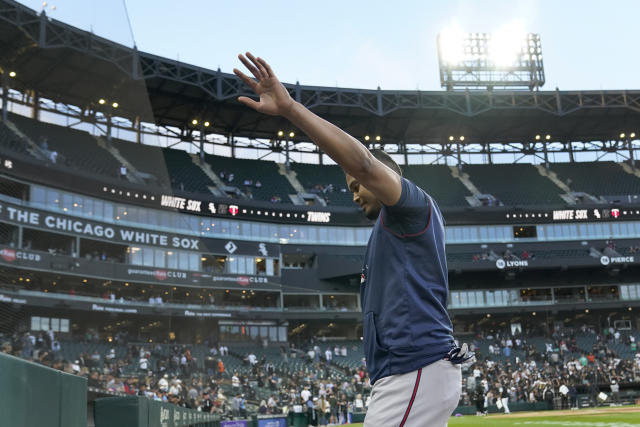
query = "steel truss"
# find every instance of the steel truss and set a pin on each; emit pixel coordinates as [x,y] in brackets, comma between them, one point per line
[223,86]
[449,152]
[46,33]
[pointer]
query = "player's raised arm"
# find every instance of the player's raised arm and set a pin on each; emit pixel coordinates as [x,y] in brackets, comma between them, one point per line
[345,150]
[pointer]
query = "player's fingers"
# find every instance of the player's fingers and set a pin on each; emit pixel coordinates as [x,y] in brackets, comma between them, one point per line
[267,67]
[250,66]
[259,66]
[248,80]
[249,102]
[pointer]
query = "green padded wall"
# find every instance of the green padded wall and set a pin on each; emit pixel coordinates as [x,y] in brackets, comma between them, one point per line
[37,396]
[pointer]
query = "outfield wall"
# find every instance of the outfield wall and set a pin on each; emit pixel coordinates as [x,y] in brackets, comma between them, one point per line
[35,395]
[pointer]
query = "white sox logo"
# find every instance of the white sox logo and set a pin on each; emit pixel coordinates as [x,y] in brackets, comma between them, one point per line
[230,247]
[262,248]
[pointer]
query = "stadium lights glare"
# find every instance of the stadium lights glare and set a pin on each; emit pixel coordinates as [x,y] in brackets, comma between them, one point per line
[12,74]
[537,137]
[206,124]
[291,134]
[378,138]
[101,101]
[194,122]
[632,135]
[280,133]
[462,138]
[547,137]
[366,137]
[501,49]
[451,43]
[451,138]
[622,135]
[115,105]
[509,57]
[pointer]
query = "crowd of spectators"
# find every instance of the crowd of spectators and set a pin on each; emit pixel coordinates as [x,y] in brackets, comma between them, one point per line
[555,376]
[327,393]
[507,255]
[508,369]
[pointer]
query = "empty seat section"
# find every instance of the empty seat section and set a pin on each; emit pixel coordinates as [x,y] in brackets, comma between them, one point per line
[327,181]
[438,182]
[185,175]
[10,142]
[146,159]
[597,178]
[514,184]
[76,149]
[266,172]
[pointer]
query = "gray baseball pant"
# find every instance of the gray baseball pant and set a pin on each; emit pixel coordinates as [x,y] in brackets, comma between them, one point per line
[422,398]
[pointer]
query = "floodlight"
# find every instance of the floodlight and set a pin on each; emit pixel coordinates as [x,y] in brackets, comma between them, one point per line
[547,137]
[462,138]
[194,122]
[12,74]
[622,135]
[115,105]
[206,124]
[451,138]
[632,135]
[291,134]
[366,137]
[101,101]
[451,45]
[537,137]
[508,58]
[378,138]
[280,133]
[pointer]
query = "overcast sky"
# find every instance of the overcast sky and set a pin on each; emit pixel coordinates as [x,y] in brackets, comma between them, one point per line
[586,44]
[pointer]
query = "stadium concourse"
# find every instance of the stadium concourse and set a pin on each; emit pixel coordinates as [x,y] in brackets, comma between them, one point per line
[146,247]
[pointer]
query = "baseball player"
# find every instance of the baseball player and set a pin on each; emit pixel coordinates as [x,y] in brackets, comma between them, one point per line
[413,362]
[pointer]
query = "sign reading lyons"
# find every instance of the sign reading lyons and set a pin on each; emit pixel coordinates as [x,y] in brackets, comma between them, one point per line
[606,260]
[502,264]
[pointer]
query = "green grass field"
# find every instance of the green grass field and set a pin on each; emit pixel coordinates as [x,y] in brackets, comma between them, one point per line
[603,417]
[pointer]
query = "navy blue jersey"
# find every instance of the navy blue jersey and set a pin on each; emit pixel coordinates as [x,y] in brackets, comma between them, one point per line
[404,287]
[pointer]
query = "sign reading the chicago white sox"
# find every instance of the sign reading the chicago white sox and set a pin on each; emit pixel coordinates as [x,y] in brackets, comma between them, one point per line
[73,225]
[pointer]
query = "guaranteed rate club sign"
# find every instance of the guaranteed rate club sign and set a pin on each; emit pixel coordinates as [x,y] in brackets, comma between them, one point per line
[117,234]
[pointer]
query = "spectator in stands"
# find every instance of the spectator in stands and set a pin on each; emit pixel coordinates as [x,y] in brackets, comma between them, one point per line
[53,156]
[615,388]
[123,171]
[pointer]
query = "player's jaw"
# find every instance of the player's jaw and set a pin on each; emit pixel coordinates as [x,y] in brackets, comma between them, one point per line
[364,198]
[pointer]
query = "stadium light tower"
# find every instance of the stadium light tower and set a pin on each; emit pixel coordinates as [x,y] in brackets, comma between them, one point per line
[507,59]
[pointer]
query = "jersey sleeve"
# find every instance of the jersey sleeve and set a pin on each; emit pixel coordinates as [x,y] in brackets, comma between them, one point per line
[411,214]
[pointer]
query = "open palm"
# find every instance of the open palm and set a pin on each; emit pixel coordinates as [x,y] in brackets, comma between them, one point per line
[274,97]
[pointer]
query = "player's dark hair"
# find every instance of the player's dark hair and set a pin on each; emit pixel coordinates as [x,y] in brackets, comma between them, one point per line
[385,158]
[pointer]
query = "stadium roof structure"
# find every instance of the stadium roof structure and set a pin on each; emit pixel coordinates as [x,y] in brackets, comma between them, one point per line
[70,66]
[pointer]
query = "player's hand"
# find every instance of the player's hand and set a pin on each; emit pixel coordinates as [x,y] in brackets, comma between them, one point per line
[274,98]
